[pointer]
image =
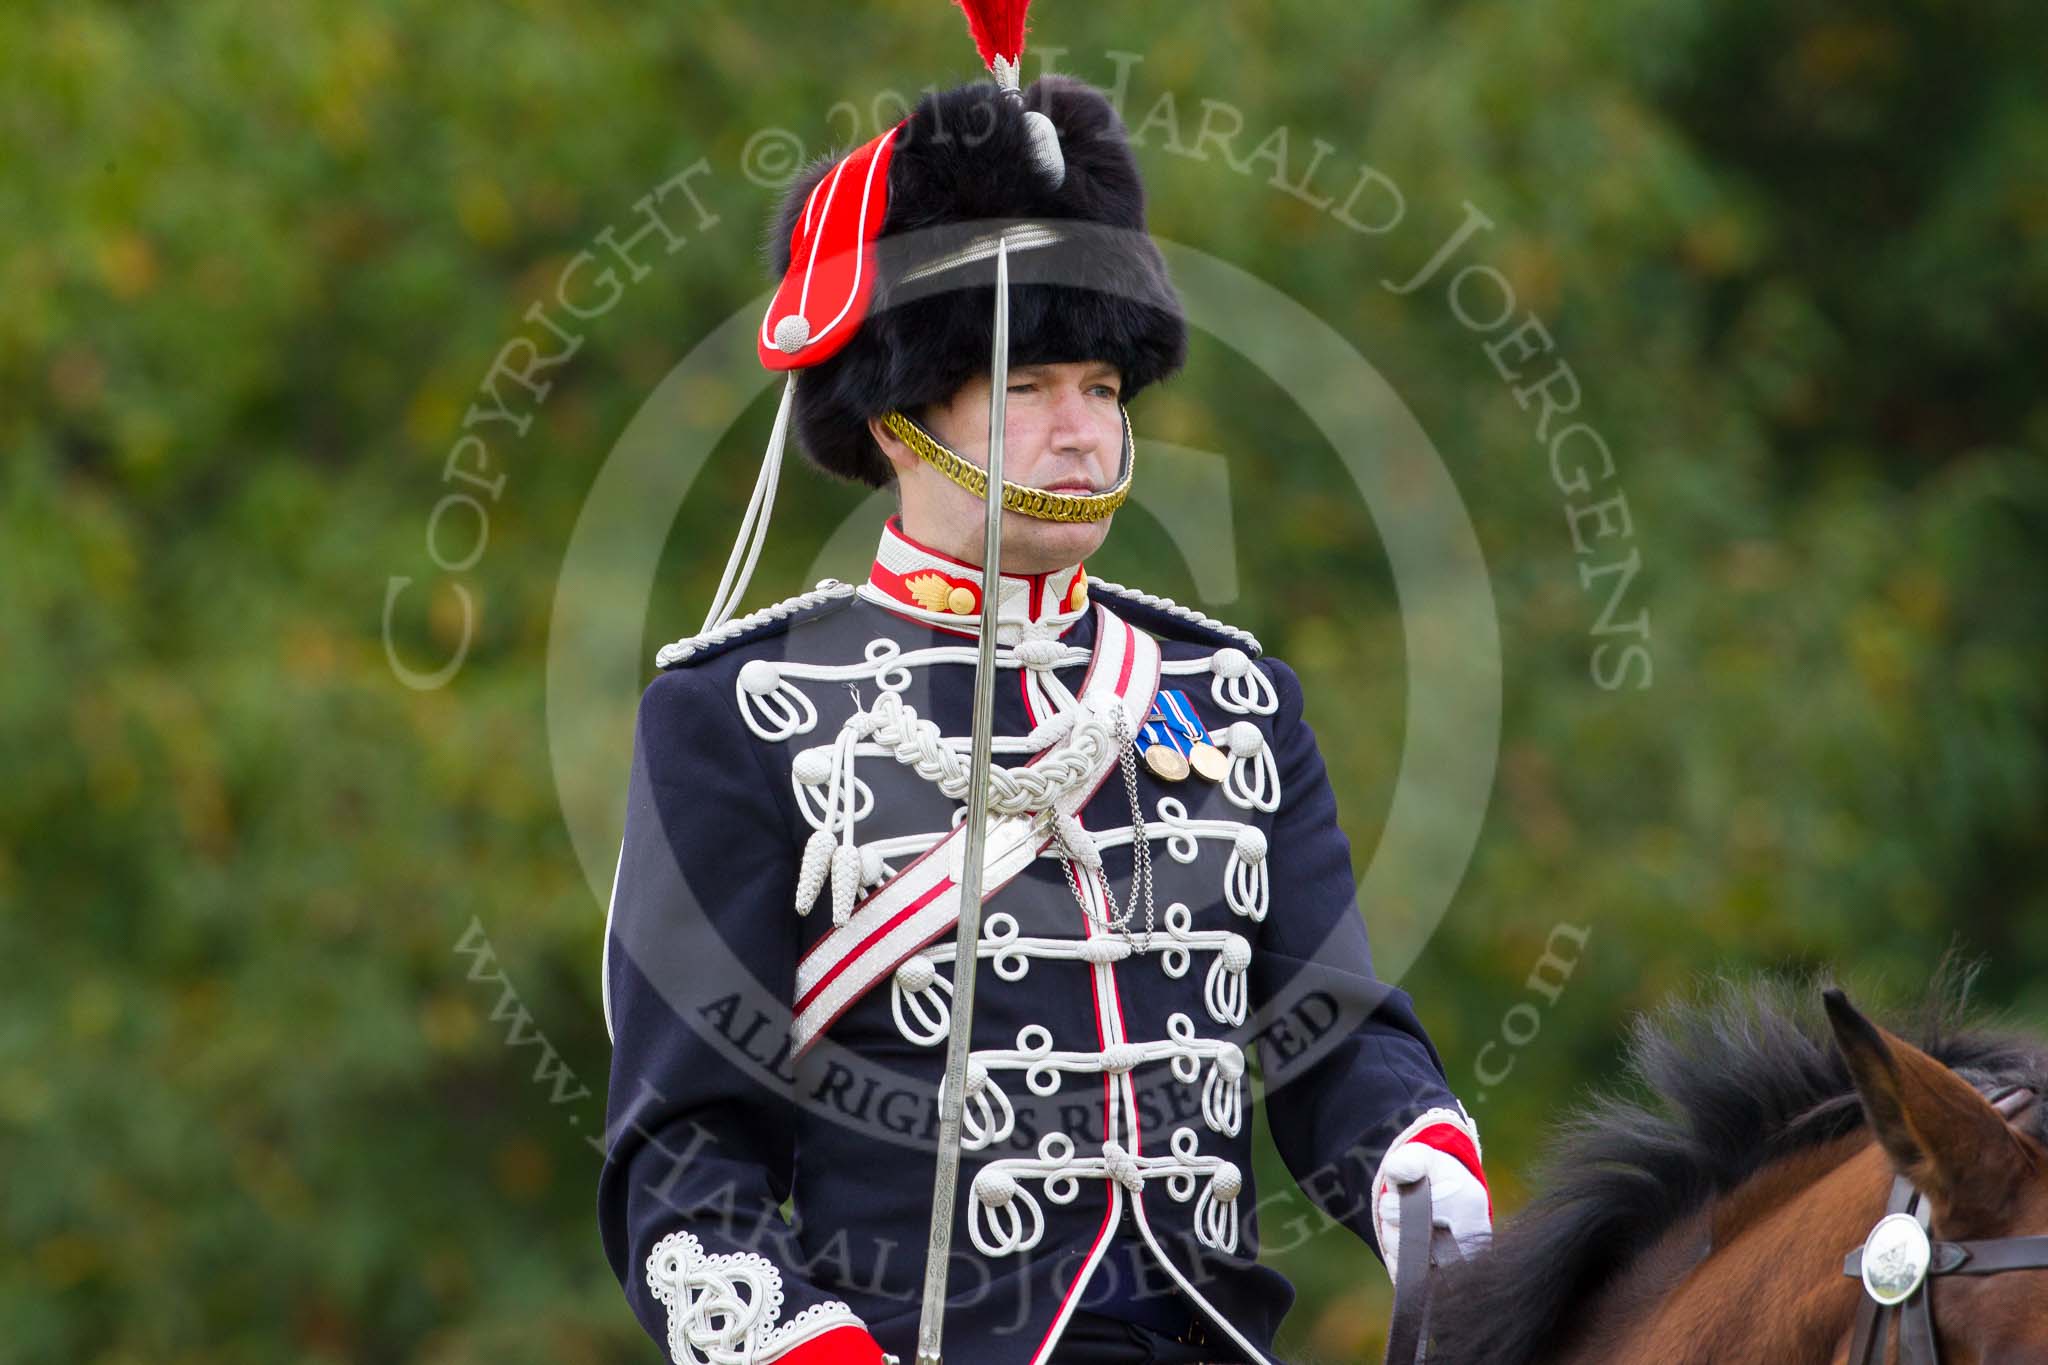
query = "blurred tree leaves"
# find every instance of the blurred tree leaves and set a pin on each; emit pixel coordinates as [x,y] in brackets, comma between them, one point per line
[255,260]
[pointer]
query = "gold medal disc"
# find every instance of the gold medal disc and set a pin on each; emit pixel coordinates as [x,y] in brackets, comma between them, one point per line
[1166,762]
[1209,762]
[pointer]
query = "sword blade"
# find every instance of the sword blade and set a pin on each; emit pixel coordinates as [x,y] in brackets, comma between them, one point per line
[967,935]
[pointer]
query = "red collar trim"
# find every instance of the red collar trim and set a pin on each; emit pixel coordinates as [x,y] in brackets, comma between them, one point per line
[929,581]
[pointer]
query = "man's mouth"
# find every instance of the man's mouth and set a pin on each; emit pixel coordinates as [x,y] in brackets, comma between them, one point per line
[1070,488]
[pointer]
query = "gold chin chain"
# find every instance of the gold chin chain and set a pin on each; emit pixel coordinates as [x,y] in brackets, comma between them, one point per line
[1031,502]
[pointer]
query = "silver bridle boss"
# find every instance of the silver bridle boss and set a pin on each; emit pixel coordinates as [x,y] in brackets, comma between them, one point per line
[1899,1258]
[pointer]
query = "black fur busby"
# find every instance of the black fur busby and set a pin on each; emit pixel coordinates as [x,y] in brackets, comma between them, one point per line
[964,165]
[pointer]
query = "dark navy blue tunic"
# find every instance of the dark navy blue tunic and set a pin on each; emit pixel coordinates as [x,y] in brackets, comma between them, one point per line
[752,1203]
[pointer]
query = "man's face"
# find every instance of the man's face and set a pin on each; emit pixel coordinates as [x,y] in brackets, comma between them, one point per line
[1063,431]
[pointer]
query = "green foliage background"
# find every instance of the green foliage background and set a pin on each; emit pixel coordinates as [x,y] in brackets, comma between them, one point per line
[256,259]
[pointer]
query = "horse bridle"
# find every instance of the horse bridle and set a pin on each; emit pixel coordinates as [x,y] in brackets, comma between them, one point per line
[1897,1261]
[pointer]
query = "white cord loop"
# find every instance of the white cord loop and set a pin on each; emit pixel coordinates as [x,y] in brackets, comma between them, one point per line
[1253,781]
[1247,886]
[753,532]
[1240,688]
[987,1115]
[773,707]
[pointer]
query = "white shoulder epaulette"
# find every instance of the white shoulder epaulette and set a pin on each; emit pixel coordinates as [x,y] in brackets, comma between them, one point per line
[693,647]
[1166,606]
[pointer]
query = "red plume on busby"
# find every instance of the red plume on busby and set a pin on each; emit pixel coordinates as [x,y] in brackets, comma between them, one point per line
[872,325]
[998,28]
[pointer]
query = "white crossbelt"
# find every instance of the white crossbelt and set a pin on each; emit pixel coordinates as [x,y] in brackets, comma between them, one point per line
[923,901]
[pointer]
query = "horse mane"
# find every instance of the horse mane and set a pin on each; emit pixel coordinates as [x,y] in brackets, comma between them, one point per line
[1727,1085]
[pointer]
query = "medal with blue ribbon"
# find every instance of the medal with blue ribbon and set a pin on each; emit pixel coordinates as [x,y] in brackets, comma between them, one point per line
[1163,750]
[1176,741]
[1203,756]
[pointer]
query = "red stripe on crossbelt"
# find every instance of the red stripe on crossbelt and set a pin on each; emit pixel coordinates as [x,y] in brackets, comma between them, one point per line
[938,889]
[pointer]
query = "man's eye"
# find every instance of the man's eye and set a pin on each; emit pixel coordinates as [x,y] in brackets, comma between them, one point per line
[1109,390]
[1025,387]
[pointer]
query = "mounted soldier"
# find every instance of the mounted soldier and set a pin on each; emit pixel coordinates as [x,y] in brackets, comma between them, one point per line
[1114,800]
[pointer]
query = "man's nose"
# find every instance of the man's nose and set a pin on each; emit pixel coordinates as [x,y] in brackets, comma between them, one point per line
[1072,430]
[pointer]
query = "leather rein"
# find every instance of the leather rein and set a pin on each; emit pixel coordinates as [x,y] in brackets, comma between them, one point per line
[1418,1256]
[1898,1263]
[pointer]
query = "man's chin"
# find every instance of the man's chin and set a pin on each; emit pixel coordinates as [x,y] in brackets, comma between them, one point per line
[1034,546]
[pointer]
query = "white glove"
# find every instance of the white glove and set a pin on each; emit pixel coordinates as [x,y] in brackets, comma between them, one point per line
[1459,1203]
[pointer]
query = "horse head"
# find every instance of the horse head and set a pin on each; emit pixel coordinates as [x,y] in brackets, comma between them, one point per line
[1735,1205]
[1974,1286]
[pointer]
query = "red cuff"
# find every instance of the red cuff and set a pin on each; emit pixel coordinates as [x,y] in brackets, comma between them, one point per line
[1452,1140]
[848,1345]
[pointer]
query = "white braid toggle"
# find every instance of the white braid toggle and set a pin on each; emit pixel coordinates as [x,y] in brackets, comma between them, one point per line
[921,1001]
[1050,731]
[1253,781]
[845,883]
[1003,1217]
[987,1115]
[1225,993]
[1039,655]
[916,973]
[810,876]
[1118,1058]
[1122,1167]
[1074,841]
[1216,1210]
[1239,687]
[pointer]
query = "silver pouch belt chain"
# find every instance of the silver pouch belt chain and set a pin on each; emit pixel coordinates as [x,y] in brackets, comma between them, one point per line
[1141,855]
